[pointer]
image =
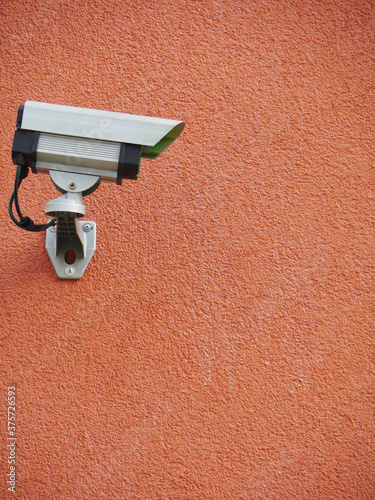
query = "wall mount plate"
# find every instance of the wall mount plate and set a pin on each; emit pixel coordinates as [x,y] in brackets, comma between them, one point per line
[70,245]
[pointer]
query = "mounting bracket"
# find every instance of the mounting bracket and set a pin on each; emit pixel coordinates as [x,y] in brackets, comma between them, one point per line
[71,243]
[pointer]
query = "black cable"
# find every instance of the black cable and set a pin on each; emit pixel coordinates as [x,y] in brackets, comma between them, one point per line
[24,222]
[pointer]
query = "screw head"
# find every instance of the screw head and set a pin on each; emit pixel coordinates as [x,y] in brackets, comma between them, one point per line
[72,185]
[87,227]
[69,271]
[52,229]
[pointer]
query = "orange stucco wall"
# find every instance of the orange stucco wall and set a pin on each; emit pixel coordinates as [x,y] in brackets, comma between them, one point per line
[221,342]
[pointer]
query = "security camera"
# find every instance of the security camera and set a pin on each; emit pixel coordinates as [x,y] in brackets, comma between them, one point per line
[79,148]
[89,141]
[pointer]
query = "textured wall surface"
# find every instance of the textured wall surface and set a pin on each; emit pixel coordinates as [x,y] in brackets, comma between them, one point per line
[221,342]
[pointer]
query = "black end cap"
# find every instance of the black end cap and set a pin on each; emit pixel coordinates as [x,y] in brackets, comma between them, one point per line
[24,148]
[129,162]
[19,116]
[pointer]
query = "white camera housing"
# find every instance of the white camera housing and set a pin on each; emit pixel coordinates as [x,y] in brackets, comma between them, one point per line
[89,141]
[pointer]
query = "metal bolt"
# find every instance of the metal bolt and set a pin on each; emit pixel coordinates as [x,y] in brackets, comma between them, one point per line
[87,227]
[69,271]
[52,229]
[72,185]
